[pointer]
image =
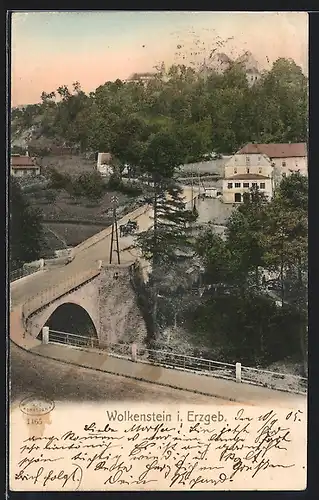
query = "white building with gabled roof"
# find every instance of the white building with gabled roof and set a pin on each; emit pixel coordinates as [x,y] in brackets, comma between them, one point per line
[244,172]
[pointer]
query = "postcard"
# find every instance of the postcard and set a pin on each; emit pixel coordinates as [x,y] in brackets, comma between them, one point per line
[158,251]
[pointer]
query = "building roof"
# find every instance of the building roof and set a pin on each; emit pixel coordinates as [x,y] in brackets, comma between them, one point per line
[276,150]
[246,176]
[22,162]
[257,160]
[137,76]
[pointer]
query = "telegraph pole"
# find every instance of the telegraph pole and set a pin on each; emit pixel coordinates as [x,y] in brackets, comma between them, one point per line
[114,201]
[192,192]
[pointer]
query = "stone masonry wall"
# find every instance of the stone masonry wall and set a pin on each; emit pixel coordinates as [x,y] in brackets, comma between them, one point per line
[119,315]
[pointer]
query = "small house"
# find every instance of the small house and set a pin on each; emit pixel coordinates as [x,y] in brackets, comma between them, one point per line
[104,164]
[22,166]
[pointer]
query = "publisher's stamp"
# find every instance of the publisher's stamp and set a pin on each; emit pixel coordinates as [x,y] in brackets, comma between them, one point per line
[36,406]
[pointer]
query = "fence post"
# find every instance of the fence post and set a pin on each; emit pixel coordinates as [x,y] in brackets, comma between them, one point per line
[238,372]
[45,335]
[133,352]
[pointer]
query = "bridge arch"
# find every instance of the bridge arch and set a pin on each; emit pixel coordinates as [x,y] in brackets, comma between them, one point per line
[68,316]
[72,318]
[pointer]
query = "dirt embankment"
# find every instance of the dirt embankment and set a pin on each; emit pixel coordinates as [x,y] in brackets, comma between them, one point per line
[68,222]
[67,164]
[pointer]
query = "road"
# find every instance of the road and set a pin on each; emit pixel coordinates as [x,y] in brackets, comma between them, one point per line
[83,261]
[61,382]
[30,373]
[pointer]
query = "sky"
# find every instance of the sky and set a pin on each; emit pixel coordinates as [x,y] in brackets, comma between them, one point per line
[49,49]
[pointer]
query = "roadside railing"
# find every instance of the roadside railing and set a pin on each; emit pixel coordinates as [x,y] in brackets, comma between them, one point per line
[115,349]
[274,380]
[26,270]
[236,372]
[21,273]
[174,360]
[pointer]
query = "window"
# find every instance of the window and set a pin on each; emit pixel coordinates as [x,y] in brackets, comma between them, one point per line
[284,174]
[247,160]
[247,170]
[246,184]
[237,184]
[283,163]
[259,170]
[254,184]
[235,170]
[262,185]
[230,185]
[237,198]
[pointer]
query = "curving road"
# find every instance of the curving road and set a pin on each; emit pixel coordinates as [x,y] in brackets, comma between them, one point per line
[62,382]
[30,373]
[83,261]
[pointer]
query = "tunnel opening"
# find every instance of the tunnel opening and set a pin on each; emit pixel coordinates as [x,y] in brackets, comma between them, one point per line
[69,324]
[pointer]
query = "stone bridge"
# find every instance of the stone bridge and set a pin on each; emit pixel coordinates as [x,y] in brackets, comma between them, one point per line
[107,296]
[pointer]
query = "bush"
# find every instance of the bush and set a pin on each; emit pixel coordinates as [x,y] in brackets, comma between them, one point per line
[50,195]
[58,180]
[90,185]
[116,184]
[250,330]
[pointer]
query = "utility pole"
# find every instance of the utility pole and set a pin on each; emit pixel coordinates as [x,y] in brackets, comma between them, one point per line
[114,201]
[192,192]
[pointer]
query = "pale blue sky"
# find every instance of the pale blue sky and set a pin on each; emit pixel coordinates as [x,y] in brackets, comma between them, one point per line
[52,48]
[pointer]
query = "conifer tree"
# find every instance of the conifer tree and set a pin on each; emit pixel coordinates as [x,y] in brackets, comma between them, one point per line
[168,241]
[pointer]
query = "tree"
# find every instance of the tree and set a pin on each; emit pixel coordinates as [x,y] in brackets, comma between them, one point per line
[263,238]
[218,112]
[245,235]
[91,185]
[26,232]
[168,241]
[286,234]
[128,142]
